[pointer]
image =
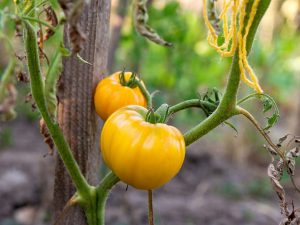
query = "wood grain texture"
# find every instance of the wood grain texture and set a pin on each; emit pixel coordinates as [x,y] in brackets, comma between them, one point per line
[76,111]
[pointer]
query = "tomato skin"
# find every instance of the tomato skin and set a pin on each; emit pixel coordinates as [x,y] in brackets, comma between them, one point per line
[142,154]
[110,95]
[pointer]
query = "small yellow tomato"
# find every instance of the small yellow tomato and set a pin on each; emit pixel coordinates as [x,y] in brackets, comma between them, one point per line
[111,95]
[142,154]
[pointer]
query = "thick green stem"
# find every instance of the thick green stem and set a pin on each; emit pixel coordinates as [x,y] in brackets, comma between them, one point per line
[197,103]
[103,190]
[37,89]
[226,108]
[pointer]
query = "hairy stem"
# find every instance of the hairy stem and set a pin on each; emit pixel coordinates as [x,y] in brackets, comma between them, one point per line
[37,89]
[197,103]
[103,190]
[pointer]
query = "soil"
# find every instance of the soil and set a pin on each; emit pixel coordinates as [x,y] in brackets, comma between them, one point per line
[210,188]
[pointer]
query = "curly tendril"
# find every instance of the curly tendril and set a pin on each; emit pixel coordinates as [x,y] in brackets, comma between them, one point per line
[234,35]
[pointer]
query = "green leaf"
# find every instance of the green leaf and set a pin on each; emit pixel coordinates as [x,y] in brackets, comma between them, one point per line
[272,121]
[267,104]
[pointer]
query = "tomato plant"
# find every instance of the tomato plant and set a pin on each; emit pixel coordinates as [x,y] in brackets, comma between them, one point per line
[142,154]
[135,143]
[116,91]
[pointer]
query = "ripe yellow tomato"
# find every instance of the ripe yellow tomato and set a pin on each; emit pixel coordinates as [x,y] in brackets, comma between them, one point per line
[142,154]
[111,95]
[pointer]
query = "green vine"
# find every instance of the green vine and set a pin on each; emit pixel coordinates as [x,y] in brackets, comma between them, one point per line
[227,106]
[37,90]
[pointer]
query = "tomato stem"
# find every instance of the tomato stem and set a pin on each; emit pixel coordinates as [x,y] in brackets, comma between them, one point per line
[249,116]
[196,103]
[227,106]
[38,93]
[150,208]
[145,92]
[102,191]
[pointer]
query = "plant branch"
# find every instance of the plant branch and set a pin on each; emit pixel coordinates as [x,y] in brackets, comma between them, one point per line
[102,191]
[197,103]
[37,89]
[268,139]
[259,94]
[249,116]
[226,108]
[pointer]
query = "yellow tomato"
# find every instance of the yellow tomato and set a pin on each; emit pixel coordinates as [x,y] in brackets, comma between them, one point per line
[142,154]
[111,95]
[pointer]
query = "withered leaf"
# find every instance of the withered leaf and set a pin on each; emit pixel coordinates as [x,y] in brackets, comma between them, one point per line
[282,139]
[213,15]
[141,19]
[285,221]
[47,137]
[293,153]
[22,77]
[52,19]
[270,150]
[72,10]
[273,174]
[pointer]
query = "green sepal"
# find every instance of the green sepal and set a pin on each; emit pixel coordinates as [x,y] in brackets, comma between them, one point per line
[152,117]
[122,78]
[162,113]
[132,82]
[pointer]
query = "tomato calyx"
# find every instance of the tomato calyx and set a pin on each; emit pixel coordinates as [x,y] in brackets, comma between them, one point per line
[158,116]
[132,82]
[162,112]
[152,117]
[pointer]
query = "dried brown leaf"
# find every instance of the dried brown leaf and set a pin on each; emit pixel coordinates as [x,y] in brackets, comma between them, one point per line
[282,139]
[277,187]
[52,19]
[270,150]
[213,16]
[22,77]
[47,137]
[293,153]
[285,221]
[141,19]
[72,10]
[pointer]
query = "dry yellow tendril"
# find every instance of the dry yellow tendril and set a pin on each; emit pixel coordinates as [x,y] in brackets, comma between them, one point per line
[234,37]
